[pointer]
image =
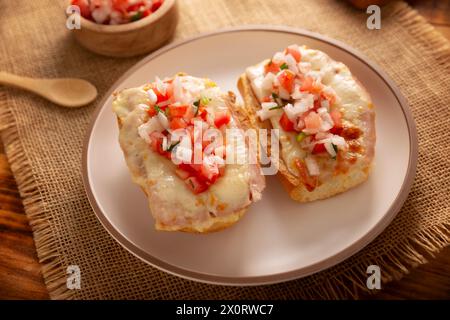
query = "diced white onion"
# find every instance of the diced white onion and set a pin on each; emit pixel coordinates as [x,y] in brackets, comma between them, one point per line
[304,67]
[283,93]
[267,82]
[176,135]
[322,135]
[303,105]
[161,86]
[163,120]
[177,89]
[150,126]
[213,159]
[321,110]
[294,47]
[338,141]
[291,112]
[312,166]
[279,57]
[330,149]
[255,71]
[327,121]
[292,64]
[152,96]
[296,93]
[186,142]
[101,14]
[299,107]
[164,143]
[265,114]
[183,154]
[268,105]
[316,75]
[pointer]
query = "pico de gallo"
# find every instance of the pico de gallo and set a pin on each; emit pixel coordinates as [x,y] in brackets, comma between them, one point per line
[293,93]
[116,11]
[181,110]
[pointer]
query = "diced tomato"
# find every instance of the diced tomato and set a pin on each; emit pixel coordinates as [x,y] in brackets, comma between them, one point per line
[221,118]
[156,5]
[177,110]
[177,123]
[152,111]
[307,84]
[317,88]
[286,124]
[316,104]
[267,99]
[156,142]
[313,121]
[336,130]
[337,120]
[195,185]
[169,89]
[120,5]
[272,66]
[318,148]
[187,167]
[294,53]
[189,114]
[85,11]
[160,97]
[286,79]
[146,13]
[202,113]
[337,117]
[136,6]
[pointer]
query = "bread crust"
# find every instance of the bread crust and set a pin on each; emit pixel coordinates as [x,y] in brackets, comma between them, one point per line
[291,183]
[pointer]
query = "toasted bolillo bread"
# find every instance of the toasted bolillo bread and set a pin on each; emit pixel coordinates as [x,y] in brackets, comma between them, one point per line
[325,118]
[161,129]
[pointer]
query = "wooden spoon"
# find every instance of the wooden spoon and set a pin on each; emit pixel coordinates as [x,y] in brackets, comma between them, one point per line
[66,92]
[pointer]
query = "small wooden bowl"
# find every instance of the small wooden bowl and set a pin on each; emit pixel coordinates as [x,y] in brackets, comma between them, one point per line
[130,39]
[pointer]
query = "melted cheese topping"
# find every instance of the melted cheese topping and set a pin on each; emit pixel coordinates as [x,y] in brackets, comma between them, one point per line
[352,101]
[172,204]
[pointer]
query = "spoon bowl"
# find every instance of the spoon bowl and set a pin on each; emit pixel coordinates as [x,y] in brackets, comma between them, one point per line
[72,93]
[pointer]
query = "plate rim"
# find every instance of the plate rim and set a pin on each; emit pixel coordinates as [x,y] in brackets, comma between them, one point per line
[321,265]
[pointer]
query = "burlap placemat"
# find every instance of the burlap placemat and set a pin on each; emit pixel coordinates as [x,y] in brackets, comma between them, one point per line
[44,144]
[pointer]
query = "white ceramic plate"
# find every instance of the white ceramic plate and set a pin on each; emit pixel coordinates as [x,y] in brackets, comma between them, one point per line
[278,239]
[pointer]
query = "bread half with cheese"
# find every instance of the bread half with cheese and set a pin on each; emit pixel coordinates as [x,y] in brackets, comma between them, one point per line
[185,174]
[325,118]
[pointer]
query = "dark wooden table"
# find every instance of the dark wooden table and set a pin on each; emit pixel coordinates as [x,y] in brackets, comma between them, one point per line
[20,276]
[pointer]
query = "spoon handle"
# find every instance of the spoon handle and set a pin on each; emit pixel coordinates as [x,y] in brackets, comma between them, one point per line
[18,81]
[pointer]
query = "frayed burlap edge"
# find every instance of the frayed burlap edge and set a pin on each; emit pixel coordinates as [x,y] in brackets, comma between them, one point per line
[396,262]
[44,238]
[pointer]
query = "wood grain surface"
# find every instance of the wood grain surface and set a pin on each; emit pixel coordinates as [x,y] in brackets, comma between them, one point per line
[20,276]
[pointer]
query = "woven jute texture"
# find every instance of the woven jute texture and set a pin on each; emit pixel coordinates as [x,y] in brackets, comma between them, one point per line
[44,145]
